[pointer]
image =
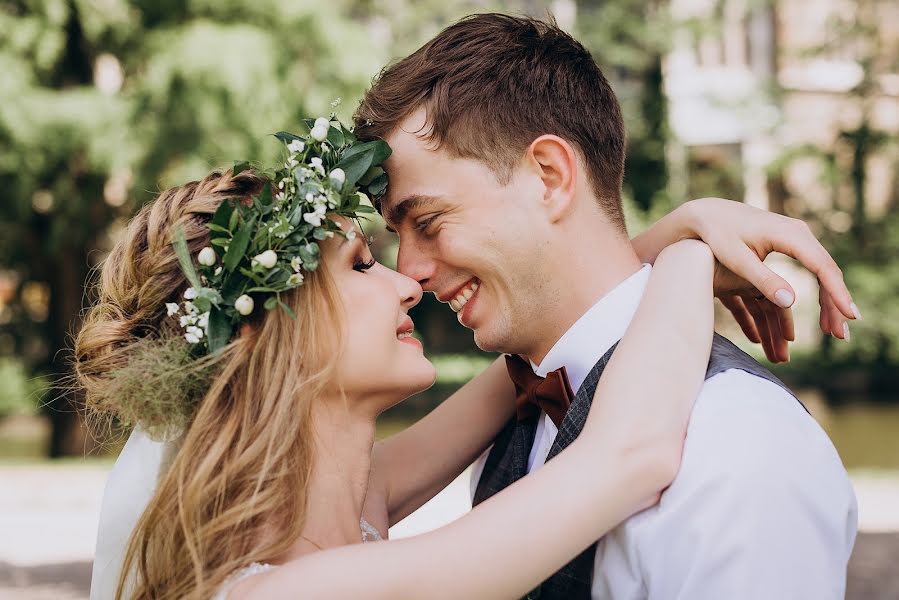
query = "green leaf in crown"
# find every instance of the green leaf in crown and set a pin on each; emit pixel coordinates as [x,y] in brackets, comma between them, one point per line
[261,250]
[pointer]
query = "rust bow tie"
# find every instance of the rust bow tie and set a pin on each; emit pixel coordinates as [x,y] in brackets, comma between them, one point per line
[552,394]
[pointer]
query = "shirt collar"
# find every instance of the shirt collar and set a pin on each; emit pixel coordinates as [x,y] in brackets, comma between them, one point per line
[598,329]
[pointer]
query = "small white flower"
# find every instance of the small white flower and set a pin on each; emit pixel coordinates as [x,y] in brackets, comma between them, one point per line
[187,320]
[191,338]
[337,177]
[172,308]
[196,331]
[319,133]
[267,259]
[295,279]
[244,305]
[296,263]
[316,163]
[351,235]
[190,308]
[203,321]
[322,122]
[206,257]
[296,146]
[190,293]
[315,217]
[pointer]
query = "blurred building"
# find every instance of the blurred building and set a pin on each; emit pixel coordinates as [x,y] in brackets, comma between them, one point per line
[774,97]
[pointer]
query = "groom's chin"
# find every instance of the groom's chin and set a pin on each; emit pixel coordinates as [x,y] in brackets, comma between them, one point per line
[489,341]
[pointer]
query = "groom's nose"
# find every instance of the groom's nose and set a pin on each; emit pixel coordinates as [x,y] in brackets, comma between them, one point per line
[412,262]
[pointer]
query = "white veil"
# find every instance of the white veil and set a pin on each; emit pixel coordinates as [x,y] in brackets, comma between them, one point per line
[130,486]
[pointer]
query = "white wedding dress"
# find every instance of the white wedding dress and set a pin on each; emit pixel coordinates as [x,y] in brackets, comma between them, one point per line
[369,534]
[131,484]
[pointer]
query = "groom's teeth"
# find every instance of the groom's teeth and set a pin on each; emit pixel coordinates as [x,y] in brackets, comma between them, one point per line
[464,296]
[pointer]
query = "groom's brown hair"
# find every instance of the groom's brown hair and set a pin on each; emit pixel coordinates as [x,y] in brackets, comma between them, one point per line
[491,84]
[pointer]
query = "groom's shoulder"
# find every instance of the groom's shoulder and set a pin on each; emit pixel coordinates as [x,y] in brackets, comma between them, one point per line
[745,427]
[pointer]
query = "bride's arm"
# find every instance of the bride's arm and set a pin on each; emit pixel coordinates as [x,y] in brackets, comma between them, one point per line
[741,237]
[410,467]
[628,452]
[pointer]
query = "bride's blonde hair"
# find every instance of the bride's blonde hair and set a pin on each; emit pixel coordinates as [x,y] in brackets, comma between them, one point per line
[235,492]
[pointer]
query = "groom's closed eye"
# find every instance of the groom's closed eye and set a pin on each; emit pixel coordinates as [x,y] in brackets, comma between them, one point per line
[397,213]
[422,224]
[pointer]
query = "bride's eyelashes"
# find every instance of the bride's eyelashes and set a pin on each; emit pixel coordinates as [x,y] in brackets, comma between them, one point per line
[363,266]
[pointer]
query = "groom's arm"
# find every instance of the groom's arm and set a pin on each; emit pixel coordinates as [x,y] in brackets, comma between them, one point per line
[762,507]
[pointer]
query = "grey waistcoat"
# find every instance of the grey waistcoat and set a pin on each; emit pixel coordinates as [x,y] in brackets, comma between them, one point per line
[508,460]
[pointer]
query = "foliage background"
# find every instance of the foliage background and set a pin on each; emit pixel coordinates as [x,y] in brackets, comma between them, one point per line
[105,102]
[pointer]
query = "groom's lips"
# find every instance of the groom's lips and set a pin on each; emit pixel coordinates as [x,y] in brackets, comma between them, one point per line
[445,298]
[464,315]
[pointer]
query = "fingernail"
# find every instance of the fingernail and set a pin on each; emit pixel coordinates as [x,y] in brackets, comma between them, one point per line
[846,335]
[784,298]
[855,311]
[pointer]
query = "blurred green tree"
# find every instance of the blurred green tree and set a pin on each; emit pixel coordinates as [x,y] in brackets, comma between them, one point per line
[863,241]
[104,102]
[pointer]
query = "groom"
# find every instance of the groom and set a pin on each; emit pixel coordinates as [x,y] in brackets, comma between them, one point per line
[505,190]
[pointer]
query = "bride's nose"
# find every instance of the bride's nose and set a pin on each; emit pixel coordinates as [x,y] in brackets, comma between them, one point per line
[409,290]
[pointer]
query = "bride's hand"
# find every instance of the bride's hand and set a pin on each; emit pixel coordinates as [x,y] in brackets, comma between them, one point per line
[741,237]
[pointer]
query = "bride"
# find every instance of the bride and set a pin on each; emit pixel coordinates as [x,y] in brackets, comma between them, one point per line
[244,317]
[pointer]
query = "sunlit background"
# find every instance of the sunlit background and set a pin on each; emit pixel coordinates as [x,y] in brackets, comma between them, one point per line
[788,105]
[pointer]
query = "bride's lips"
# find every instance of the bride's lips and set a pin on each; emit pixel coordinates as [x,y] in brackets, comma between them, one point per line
[404,332]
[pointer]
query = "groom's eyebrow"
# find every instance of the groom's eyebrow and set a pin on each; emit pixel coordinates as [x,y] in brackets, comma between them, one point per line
[394,214]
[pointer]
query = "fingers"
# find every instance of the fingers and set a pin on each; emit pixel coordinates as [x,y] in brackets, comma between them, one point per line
[778,337]
[804,247]
[763,323]
[768,322]
[834,297]
[746,263]
[737,308]
[833,322]
[785,319]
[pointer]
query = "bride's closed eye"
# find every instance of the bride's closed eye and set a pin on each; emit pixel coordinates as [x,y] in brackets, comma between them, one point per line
[363,266]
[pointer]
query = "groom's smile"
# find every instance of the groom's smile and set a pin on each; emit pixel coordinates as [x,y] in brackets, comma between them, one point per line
[459,298]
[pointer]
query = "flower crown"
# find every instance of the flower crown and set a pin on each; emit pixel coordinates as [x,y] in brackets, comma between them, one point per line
[261,249]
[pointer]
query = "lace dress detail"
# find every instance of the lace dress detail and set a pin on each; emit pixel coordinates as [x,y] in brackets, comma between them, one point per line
[369,534]
[253,569]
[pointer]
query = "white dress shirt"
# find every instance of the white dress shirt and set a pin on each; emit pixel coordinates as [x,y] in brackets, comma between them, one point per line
[761,508]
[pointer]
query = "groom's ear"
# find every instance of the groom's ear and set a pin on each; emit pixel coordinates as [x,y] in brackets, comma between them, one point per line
[555,163]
